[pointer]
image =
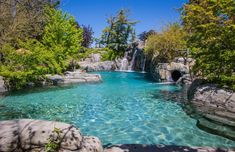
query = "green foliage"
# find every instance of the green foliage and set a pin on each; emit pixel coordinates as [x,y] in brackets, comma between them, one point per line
[110,55]
[62,37]
[106,53]
[167,45]
[211,25]
[22,19]
[33,59]
[86,52]
[119,33]
[53,145]
[25,65]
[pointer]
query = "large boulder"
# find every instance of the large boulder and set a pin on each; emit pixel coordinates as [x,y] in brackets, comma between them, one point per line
[39,135]
[97,66]
[215,108]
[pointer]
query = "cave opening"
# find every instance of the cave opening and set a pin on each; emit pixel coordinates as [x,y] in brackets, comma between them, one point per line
[175,75]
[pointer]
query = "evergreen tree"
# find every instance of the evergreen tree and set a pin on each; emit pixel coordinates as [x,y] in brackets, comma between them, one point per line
[62,37]
[119,33]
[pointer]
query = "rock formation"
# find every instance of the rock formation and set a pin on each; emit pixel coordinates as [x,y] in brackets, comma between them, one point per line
[37,135]
[97,66]
[73,77]
[176,71]
[94,63]
[133,60]
[2,86]
[215,108]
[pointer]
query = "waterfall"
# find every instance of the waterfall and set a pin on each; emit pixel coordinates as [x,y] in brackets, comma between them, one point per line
[131,67]
[143,64]
[124,63]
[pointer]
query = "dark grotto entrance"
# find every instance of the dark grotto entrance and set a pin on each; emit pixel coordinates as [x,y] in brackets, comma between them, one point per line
[175,75]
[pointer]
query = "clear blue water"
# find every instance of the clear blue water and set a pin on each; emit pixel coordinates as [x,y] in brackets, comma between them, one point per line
[127,108]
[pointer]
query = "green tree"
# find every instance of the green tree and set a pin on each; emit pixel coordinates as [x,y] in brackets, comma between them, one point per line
[119,33]
[62,37]
[31,60]
[22,19]
[166,45]
[211,28]
[27,64]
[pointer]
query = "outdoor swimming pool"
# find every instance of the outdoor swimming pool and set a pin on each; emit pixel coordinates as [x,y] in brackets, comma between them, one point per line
[126,108]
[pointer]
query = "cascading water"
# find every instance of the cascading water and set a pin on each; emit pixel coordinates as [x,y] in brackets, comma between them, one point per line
[143,64]
[124,63]
[131,67]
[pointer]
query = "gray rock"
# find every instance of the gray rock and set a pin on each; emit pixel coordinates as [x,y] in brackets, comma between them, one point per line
[73,77]
[33,135]
[2,86]
[215,105]
[97,66]
[95,57]
[163,71]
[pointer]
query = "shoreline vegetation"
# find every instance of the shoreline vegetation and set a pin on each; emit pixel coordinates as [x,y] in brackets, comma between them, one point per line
[39,43]
[46,40]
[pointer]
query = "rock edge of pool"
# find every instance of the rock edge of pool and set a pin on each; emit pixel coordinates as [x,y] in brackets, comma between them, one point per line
[35,135]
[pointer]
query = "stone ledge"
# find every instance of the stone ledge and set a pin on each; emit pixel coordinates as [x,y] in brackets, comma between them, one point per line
[76,77]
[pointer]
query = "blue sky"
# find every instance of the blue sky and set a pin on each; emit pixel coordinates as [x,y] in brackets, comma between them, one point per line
[151,14]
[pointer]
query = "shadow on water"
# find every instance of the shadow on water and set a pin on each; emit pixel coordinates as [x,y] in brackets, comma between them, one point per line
[157,148]
[42,89]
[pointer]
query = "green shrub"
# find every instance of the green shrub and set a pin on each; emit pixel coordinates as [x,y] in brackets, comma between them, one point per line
[32,59]
[211,25]
[111,55]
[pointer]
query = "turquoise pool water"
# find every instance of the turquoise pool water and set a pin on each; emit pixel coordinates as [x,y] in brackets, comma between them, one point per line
[126,108]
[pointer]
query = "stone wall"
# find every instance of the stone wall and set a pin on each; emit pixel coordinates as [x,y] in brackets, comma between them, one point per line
[216,107]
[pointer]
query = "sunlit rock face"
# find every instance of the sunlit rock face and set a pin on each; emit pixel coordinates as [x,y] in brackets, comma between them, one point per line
[170,72]
[215,107]
[36,135]
[73,77]
[97,66]
[2,86]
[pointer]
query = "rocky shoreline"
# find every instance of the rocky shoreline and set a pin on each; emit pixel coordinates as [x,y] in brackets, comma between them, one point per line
[214,108]
[75,77]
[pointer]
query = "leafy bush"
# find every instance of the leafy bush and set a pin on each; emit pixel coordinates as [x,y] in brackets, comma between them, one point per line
[211,25]
[167,45]
[33,59]
[111,55]
[27,64]
[62,37]
[106,53]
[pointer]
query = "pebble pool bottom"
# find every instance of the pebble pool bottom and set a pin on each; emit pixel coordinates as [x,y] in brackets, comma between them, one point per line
[126,108]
